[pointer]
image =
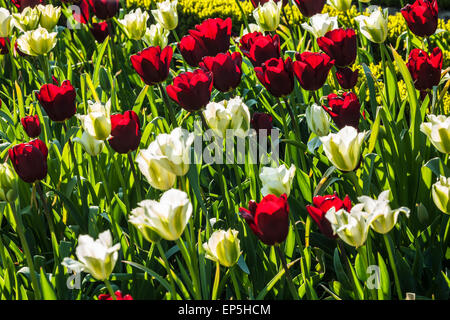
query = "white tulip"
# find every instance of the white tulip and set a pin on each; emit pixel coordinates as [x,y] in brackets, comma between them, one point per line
[91,145]
[95,257]
[318,120]
[277,181]
[267,16]
[375,26]
[223,247]
[340,5]
[343,149]
[135,24]
[49,16]
[320,24]
[28,19]
[166,14]
[6,23]
[156,35]
[438,131]
[167,218]
[441,194]
[98,120]
[158,177]
[37,42]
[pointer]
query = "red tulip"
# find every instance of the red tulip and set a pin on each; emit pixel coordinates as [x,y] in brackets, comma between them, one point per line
[30,160]
[347,78]
[58,101]
[312,69]
[118,294]
[215,35]
[192,49]
[340,45]
[153,64]
[261,120]
[425,69]
[269,219]
[256,3]
[100,31]
[259,48]
[321,205]
[22,4]
[277,76]
[422,17]
[82,16]
[31,125]
[308,8]
[345,109]
[104,9]
[226,70]
[4,46]
[191,90]
[125,132]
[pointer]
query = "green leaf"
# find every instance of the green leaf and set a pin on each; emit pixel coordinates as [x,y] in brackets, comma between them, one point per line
[47,289]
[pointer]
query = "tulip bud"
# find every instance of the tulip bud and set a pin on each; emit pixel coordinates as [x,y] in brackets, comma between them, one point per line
[320,24]
[156,35]
[441,194]
[422,213]
[340,5]
[37,42]
[135,24]
[375,26]
[6,23]
[438,132]
[267,16]
[95,257]
[98,121]
[318,120]
[158,177]
[91,145]
[28,19]
[166,14]
[49,16]
[277,181]
[167,218]
[223,247]
[228,115]
[343,149]
[8,186]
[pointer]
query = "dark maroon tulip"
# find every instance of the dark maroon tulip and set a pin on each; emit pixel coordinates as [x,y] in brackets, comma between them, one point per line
[58,101]
[320,207]
[256,3]
[22,4]
[269,219]
[125,132]
[215,35]
[226,70]
[277,76]
[4,46]
[31,125]
[345,109]
[30,160]
[118,294]
[425,69]
[312,69]
[192,49]
[422,17]
[308,8]
[83,15]
[259,48]
[347,78]
[104,9]
[191,90]
[153,64]
[340,45]
[262,121]
[100,31]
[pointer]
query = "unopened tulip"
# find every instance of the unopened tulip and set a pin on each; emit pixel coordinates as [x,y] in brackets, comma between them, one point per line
[226,70]
[345,109]
[28,19]
[318,120]
[6,23]
[379,213]
[340,5]
[156,35]
[158,177]
[125,132]
[91,145]
[269,219]
[438,132]
[167,218]
[97,122]
[425,69]
[259,48]
[135,24]
[97,257]
[267,16]
[422,17]
[262,121]
[214,34]
[320,24]
[58,101]
[100,31]
[31,125]
[49,16]
[340,45]
[166,14]
[193,50]
[8,185]
[104,9]
[22,4]
[37,42]
[118,294]
[347,78]
[277,181]
[375,26]
[312,69]
[153,64]
[277,76]
[441,194]
[30,160]
[226,115]
[343,149]
[308,8]
[223,247]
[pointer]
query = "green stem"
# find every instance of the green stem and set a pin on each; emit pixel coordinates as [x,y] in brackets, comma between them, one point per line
[175,34]
[110,289]
[235,283]
[136,178]
[173,291]
[354,179]
[244,16]
[393,266]
[291,286]
[383,61]
[26,249]
[216,281]
[45,67]
[168,106]
[186,257]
